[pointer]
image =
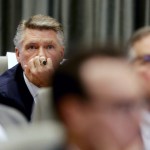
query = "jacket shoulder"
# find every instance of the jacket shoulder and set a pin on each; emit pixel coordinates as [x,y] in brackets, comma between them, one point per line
[10,75]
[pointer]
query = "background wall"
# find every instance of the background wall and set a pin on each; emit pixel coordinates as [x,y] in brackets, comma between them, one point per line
[84,21]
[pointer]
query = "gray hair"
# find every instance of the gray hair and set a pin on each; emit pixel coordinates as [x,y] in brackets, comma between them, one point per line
[39,22]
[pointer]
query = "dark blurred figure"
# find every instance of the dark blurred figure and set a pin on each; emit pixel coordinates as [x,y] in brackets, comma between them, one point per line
[138,49]
[99,99]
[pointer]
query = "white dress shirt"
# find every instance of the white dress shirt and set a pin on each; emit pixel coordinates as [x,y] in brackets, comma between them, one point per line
[32,88]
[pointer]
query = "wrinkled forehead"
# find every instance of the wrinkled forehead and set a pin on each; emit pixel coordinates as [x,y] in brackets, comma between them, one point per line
[39,32]
[110,78]
[39,36]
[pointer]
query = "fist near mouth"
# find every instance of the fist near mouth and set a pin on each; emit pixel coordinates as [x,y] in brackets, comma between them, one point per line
[38,73]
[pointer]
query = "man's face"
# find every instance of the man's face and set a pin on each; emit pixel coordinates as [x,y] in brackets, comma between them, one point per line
[40,44]
[141,48]
[113,113]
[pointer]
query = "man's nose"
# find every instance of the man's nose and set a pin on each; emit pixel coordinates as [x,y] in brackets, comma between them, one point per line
[41,51]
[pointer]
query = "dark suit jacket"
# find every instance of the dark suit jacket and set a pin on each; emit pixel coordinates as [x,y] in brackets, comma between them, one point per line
[14,91]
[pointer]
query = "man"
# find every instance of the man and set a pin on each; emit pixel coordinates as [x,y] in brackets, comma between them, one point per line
[98,98]
[39,47]
[138,49]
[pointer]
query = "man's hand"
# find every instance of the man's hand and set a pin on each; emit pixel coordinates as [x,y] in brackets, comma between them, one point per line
[39,71]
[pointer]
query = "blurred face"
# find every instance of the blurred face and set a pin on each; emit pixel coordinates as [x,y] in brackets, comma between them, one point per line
[40,44]
[142,46]
[113,114]
[141,49]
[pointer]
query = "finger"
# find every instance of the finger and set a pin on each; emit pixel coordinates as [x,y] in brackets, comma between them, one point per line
[37,62]
[27,71]
[43,60]
[31,65]
[49,63]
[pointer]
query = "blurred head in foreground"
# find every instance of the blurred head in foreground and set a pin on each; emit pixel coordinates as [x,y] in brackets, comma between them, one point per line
[98,97]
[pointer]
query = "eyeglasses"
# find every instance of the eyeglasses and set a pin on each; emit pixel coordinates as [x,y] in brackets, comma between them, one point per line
[143,59]
[146,58]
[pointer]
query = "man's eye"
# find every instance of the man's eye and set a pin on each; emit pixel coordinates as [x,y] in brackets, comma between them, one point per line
[50,46]
[31,47]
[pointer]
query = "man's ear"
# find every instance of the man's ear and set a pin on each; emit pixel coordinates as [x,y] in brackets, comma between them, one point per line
[62,52]
[17,54]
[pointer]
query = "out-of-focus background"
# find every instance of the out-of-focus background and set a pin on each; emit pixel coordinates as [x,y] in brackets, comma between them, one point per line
[84,21]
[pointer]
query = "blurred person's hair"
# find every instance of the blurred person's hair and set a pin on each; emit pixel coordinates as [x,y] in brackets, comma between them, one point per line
[137,36]
[67,79]
[39,22]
